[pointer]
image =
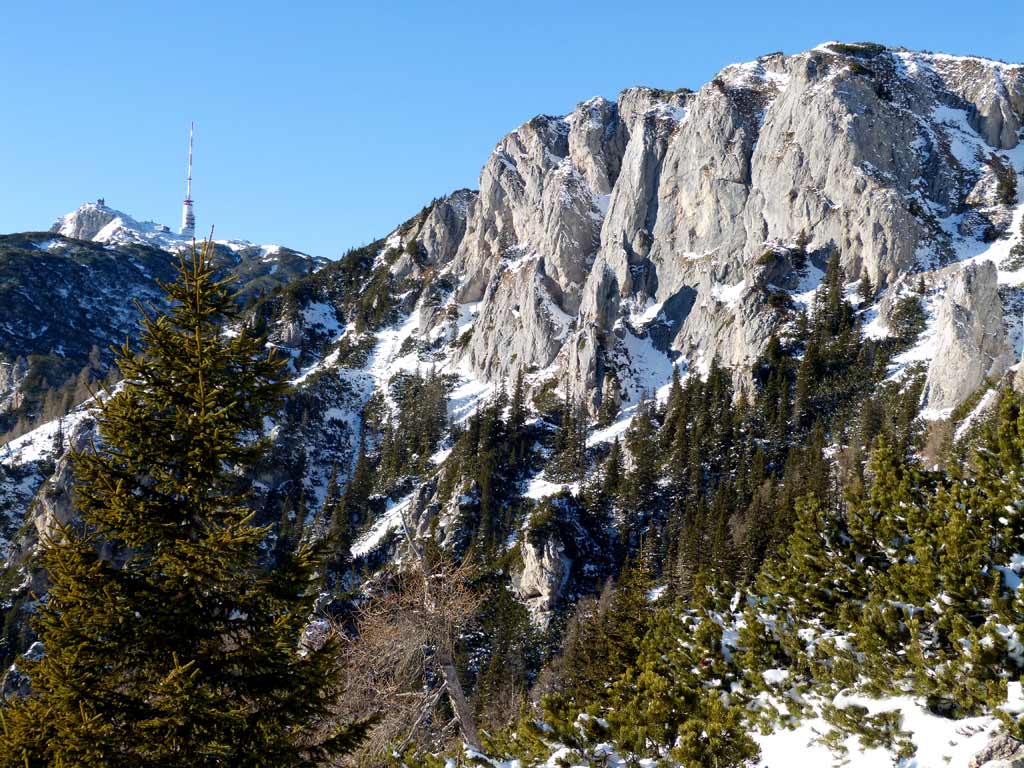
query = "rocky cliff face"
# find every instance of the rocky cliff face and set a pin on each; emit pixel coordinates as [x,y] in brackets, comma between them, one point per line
[658,230]
[971,341]
[647,218]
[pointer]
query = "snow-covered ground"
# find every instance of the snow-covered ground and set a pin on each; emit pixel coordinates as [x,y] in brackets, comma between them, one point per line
[389,521]
[939,742]
[984,405]
[38,445]
[539,488]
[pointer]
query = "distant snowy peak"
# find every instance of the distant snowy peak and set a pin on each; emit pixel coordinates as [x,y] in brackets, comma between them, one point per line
[100,223]
[103,224]
[88,220]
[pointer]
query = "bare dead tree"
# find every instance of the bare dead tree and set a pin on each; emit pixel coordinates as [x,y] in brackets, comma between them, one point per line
[400,661]
[438,590]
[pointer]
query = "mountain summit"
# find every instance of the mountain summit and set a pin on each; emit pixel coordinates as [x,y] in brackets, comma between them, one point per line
[102,224]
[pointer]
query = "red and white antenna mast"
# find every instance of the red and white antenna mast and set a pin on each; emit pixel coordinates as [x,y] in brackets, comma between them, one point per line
[188,219]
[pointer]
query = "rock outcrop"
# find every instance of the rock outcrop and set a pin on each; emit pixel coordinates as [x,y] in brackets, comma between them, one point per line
[1003,751]
[55,501]
[970,339]
[544,572]
[85,222]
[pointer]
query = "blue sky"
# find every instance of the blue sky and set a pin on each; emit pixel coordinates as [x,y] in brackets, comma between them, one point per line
[321,125]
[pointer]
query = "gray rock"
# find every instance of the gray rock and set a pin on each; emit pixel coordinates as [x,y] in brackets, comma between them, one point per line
[54,505]
[971,342]
[86,222]
[994,90]
[1002,751]
[445,226]
[544,573]
[521,324]
[12,374]
[671,199]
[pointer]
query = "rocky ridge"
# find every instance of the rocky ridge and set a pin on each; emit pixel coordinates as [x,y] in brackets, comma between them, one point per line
[668,202]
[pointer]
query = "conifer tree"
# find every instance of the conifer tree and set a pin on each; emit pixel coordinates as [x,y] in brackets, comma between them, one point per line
[674,407]
[332,493]
[611,481]
[865,289]
[610,400]
[807,374]
[760,649]
[352,506]
[880,522]
[809,573]
[569,461]
[517,419]
[180,649]
[604,643]
[640,489]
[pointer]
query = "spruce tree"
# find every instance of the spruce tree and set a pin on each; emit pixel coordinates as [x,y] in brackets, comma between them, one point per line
[865,288]
[640,489]
[611,481]
[517,420]
[176,646]
[610,400]
[674,415]
[569,461]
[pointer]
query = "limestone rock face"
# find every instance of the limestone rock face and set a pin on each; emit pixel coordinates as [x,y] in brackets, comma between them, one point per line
[970,339]
[544,574]
[521,321]
[652,216]
[1002,752]
[532,236]
[55,502]
[12,373]
[445,226]
[431,239]
[994,90]
[596,143]
[86,222]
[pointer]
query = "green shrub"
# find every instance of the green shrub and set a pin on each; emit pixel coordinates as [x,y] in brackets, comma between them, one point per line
[1007,188]
[908,318]
[857,49]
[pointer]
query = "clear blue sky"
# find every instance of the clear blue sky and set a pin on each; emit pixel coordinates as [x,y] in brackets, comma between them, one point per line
[323,124]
